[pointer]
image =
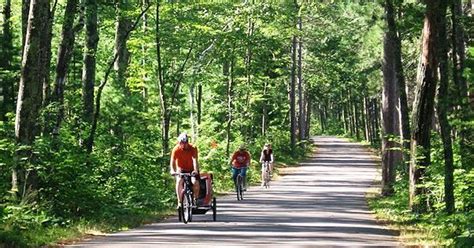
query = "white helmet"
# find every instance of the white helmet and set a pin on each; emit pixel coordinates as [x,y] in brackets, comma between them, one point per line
[183,138]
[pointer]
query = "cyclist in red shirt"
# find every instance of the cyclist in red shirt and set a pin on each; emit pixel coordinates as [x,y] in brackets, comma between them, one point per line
[184,159]
[240,162]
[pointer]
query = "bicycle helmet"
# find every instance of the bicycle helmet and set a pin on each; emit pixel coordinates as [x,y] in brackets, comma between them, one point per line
[183,138]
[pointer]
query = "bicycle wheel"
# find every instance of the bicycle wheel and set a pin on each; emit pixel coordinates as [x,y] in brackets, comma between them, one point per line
[267,177]
[186,208]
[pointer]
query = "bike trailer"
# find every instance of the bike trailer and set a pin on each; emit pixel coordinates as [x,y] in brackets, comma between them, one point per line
[205,194]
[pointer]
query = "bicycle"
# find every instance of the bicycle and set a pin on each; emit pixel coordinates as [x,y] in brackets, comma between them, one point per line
[239,186]
[266,174]
[185,210]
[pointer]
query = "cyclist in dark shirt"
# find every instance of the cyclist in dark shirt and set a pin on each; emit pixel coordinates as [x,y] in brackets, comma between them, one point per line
[266,156]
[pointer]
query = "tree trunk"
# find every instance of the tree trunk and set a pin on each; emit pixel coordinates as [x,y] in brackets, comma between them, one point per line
[122,25]
[301,107]
[65,53]
[228,71]
[391,156]
[309,108]
[25,10]
[356,117]
[46,58]
[165,116]
[264,109]
[459,56]
[423,107]
[442,111]
[6,52]
[403,102]
[293,96]
[199,104]
[89,67]
[367,122]
[30,95]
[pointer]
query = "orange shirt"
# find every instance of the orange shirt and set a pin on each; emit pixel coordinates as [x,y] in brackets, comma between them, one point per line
[184,157]
[240,159]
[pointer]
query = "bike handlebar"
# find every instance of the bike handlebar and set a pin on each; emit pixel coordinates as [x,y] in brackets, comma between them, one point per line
[184,174]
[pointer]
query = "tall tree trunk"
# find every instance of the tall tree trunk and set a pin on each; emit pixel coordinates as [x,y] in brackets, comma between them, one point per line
[293,96]
[25,10]
[30,94]
[144,61]
[65,53]
[459,56]
[165,115]
[442,111]
[122,25]
[122,54]
[403,101]
[264,109]
[228,71]
[367,121]
[301,108]
[309,109]
[6,52]
[356,117]
[423,107]
[46,57]
[89,67]
[391,156]
[199,104]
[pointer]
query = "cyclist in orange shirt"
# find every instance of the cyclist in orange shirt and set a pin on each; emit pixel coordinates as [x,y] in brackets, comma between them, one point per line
[240,161]
[184,159]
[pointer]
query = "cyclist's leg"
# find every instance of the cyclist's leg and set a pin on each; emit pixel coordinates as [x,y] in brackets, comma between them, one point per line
[179,188]
[196,187]
[235,171]
[263,174]
[243,173]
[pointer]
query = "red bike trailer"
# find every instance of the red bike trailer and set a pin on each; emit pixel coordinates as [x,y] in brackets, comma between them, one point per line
[206,201]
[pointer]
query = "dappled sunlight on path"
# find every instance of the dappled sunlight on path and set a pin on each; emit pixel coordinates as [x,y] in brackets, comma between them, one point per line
[321,204]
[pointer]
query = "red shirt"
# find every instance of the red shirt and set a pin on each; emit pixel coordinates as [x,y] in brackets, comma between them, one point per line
[240,159]
[184,157]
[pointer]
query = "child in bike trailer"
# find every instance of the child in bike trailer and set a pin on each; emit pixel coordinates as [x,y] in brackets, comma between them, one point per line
[184,159]
[240,162]
[266,156]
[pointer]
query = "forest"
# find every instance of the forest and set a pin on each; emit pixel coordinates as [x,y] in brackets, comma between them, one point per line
[93,94]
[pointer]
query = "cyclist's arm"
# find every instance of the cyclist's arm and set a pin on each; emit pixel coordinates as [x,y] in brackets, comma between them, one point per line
[172,165]
[196,163]
[261,157]
[232,160]
[271,158]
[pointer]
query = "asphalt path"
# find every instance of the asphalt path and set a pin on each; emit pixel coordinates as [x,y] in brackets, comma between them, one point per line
[320,203]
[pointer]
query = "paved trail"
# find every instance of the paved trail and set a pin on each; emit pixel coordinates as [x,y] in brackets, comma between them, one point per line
[320,204]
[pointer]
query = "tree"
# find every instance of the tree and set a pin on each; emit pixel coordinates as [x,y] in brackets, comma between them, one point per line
[89,62]
[459,57]
[6,63]
[442,111]
[30,94]
[292,94]
[390,95]
[423,107]
[65,52]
